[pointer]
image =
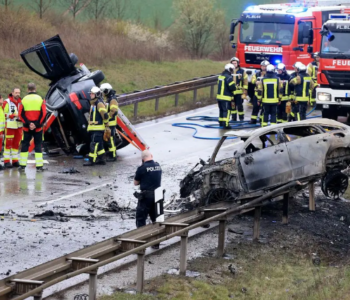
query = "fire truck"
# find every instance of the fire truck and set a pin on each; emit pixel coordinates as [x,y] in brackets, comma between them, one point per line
[281,32]
[334,69]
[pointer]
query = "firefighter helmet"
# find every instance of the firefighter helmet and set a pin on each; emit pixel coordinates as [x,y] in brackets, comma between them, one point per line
[281,66]
[105,88]
[316,54]
[264,63]
[301,67]
[270,68]
[234,59]
[229,67]
[96,90]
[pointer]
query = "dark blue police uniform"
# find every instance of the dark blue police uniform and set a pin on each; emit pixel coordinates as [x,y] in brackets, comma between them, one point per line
[149,174]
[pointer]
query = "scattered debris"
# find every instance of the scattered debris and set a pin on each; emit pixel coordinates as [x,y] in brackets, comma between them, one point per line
[69,171]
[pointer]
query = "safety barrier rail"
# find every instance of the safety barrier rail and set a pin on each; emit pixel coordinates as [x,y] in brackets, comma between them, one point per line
[32,282]
[175,88]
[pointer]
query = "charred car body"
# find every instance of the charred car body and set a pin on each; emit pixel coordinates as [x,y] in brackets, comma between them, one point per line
[68,96]
[268,158]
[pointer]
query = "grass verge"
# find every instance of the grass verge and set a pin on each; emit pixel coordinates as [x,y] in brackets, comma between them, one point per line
[127,77]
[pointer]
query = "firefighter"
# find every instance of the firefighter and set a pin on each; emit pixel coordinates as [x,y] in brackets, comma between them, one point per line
[148,176]
[13,129]
[284,80]
[303,85]
[226,88]
[294,106]
[240,77]
[112,108]
[312,69]
[2,125]
[32,113]
[270,95]
[256,80]
[98,120]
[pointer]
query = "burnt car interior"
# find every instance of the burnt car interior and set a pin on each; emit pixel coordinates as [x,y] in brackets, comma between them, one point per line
[266,140]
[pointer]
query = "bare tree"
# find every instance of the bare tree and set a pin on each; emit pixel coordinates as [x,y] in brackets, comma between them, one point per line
[6,3]
[221,34]
[195,25]
[120,9]
[98,9]
[75,6]
[41,6]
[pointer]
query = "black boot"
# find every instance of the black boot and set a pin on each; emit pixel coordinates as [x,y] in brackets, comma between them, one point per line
[1,168]
[88,163]
[111,158]
[8,165]
[15,164]
[101,160]
[252,121]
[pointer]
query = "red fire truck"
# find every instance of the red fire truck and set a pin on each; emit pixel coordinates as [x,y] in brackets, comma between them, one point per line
[281,32]
[334,69]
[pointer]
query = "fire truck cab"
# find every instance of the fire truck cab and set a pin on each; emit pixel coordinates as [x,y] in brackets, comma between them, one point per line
[334,69]
[281,32]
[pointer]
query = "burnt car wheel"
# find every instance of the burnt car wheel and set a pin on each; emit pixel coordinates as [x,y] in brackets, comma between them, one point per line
[334,184]
[97,76]
[219,195]
[121,142]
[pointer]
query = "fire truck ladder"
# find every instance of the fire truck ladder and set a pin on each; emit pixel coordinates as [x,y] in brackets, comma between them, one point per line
[322,2]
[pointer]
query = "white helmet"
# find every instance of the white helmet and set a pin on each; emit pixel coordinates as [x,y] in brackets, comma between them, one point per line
[281,67]
[229,67]
[301,67]
[105,88]
[234,59]
[264,63]
[270,68]
[96,90]
[296,65]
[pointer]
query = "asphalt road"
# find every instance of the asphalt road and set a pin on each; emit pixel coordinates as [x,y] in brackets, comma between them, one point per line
[25,244]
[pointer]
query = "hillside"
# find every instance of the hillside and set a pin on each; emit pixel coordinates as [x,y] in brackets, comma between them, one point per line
[147,11]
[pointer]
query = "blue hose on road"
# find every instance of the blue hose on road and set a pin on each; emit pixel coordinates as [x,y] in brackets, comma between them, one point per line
[233,124]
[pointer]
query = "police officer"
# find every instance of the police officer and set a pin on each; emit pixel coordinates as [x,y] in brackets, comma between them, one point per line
[284,78]
[32,113]
[303,85]
[226,88]
[270,95]
[256,80]
[98,121]
[312,69]
[149,177]
[112,108]
[241,79]
[294,106]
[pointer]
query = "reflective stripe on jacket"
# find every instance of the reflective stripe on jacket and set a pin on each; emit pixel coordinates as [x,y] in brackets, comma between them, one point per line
[32,110]
[226,87]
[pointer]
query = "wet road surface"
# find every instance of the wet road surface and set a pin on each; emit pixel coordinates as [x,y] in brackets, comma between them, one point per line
[25,243]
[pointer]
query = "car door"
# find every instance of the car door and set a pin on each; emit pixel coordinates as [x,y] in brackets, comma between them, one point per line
[307,147]
[49,59]
[266,167]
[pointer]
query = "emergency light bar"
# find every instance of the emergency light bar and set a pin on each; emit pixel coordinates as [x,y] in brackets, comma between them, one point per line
[338,16]
[322,2]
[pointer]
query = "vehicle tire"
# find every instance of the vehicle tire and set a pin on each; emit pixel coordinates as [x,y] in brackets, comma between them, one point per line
[123,142]
[334,184]
[219,195]
[330,113]
[97,76]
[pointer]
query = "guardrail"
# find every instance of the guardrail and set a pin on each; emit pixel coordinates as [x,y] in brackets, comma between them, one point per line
[32,282]
[175,88]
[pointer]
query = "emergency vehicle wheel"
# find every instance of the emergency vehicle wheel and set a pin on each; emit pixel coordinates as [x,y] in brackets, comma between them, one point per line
[330,113]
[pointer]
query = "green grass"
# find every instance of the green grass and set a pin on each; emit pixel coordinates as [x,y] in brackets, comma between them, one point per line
[126,77]
[146,10]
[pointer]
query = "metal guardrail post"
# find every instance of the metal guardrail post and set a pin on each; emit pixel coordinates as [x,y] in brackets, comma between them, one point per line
[212,91]
[183,253]
[140,271]
[176,100]
[312,205]
[285,208]
[93,285]
[195,95]
[257,216]
[136,104]
[157,104]
[221,238]
[38,296]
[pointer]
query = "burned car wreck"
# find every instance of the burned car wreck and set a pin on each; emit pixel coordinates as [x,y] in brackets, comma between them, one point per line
[268,158]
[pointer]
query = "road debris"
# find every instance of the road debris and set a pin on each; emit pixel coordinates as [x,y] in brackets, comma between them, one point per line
[69,171]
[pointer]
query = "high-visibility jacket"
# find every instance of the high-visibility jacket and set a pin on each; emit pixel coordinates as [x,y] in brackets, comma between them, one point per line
[98,116]
[112,108]
[32,110]
[271,89]
[303,86]
[312,69]
[2,120]
[292,87]
[284,78]
[258,87]
[11,112]
[226,86]
[241,81]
